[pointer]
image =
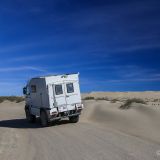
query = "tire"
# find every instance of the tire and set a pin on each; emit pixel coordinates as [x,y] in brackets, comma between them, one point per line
[74,119]
[31,118]
[44,119]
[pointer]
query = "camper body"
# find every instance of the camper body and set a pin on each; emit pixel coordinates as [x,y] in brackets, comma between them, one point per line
[52,98]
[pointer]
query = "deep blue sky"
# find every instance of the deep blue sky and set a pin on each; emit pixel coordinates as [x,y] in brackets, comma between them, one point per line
[115,45]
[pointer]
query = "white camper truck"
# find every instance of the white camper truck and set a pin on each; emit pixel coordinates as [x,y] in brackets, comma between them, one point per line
[52,98]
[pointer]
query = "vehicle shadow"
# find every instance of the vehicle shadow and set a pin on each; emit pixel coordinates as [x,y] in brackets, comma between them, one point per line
[24,124]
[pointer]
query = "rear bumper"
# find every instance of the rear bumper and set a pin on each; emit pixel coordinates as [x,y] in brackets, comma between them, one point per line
[56,114]
[62,115]
[76,114]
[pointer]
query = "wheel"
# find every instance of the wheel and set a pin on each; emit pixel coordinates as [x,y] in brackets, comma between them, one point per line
[31,118]
[44,119]
[74,119]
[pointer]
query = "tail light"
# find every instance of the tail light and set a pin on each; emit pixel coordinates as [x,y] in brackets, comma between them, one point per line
[79,106]
[54,113]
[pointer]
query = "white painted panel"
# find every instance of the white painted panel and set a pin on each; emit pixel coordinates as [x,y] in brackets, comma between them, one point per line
[60,100]
[74,97]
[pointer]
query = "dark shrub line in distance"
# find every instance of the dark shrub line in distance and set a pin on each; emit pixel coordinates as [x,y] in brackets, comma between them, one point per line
[11,98]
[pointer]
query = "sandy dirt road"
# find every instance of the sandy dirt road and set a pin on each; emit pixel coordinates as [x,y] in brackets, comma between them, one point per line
[87,140]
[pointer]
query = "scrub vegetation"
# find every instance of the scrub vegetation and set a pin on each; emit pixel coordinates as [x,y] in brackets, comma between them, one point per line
[89,98]
[11,98]
[129,102]
[102,98]
[114,100]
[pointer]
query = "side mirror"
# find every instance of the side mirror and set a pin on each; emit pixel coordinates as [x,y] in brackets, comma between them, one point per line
[24,90]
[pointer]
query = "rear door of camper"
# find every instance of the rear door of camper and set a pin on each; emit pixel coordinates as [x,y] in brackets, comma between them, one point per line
[59,96]
[72,93]
[66,95]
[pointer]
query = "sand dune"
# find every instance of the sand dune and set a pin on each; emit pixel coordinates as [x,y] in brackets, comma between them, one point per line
[141,120]
[125,95]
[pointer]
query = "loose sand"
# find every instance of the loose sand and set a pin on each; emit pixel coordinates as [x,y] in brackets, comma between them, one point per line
[104,132]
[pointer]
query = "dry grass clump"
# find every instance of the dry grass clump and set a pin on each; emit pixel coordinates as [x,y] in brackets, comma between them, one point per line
[156,100]
[102,98]
[88,98]
[114,100]
[129,102]
[11,98]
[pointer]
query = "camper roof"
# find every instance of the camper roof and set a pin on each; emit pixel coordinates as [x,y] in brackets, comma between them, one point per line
[54,75]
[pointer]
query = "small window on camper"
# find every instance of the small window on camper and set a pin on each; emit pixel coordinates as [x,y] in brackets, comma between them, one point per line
[58,89]
[27,89]
[70,88]
[33,88]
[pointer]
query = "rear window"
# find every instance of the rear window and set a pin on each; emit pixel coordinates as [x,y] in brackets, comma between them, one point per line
[70,88]
[33,89]
[58,89]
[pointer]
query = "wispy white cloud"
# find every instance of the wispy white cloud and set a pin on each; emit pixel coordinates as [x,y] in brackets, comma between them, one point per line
[119,81]
[10,48]
[30,58]
[154,79]
[22,68]
[15,47]
[7,83]
[124,74]
[134,48]
[133,72]
[80,64]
